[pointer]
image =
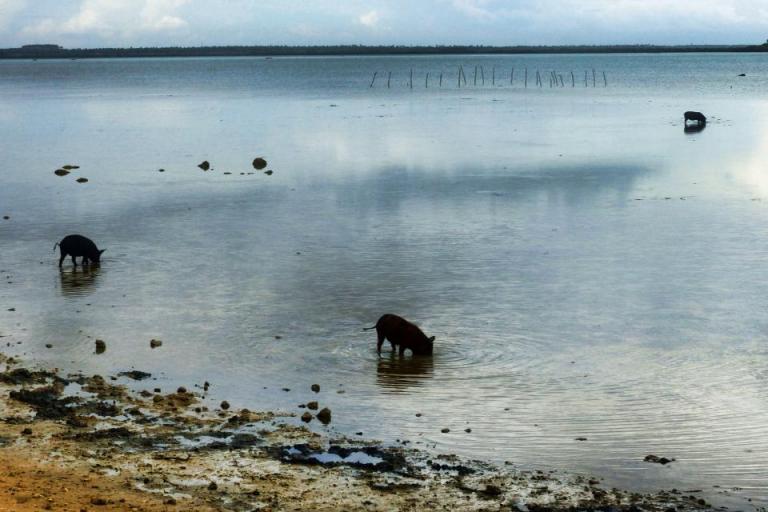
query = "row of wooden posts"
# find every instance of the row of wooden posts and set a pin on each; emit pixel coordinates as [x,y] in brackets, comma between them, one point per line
[555,79]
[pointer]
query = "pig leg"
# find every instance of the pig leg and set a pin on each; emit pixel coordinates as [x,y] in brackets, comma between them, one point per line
[61,260]
[402,350]
[74,261]
[380,340]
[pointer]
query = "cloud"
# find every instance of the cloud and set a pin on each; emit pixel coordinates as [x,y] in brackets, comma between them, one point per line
[9,9]
[369,19]
[474,9]
[123,19]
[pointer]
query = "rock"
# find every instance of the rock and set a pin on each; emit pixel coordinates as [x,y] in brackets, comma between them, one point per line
[316,388]
[26,432]
[181,390]
[324,416]
[204,165]
[742,74]
[135,375]
[268,173]
[658,460]
[580,439]
[445,430]
[70,167]
[61,172]
[98,501]
[224,405]
[259,163]
[227,173]
[48,345]
[161,170]
[6,217]
[155,343]
[82,180]
[312,405]
[100,346]
[306,417]
[468,430]
[212,486]
[206,385]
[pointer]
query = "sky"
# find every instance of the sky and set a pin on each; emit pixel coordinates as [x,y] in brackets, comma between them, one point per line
[120,23]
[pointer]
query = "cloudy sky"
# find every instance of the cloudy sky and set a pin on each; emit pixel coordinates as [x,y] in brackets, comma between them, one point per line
[99,23]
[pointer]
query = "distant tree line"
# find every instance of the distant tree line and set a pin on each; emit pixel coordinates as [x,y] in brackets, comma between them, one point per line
[52,51]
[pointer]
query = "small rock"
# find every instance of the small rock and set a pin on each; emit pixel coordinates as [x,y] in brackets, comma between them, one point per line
[161,170]
[467,430]
[324,416]
[418,415]
[181,390]
[206,385]
[98,501]
[212,486]
[204,165]
[48,345]
[306,417]
[286,389]
[268,173]
[316,388]
[225,405]
[6,217]
[445,430]
[100,346]
[61,172]
[259,163]
[69,167]
[82,180]
[658,460]
[155,343]
[581,439]
[312,405]
[26,432]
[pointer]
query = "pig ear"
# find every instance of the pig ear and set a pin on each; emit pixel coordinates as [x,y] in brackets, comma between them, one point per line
[101,251]
[431,338]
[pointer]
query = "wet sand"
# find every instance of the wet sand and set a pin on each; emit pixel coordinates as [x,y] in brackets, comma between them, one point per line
[79,442]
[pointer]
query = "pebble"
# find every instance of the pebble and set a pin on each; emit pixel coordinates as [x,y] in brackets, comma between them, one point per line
[181,390]
[324,416]
[268,173]
[204,165]
[82,180]
[155,343]
[259,163]
[48,345]
[100,346]
[445,430]
[306,417]
[161,170]
[61,172]
[212,486]
[225,405]
[312,405]
[467,430]
[316,388]
[206,385]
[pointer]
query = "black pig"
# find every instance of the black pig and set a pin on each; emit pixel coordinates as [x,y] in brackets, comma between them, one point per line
[78,245]
[400,331]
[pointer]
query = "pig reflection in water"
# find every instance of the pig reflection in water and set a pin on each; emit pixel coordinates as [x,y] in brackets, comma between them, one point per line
[79,281]
[400,373]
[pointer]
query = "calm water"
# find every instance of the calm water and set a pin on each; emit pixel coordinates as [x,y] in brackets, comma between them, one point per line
[589,269]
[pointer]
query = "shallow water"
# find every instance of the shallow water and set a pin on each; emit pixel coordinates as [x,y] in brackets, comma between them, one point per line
[589,269]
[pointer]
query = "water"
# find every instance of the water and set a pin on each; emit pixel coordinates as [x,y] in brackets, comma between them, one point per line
[589,269]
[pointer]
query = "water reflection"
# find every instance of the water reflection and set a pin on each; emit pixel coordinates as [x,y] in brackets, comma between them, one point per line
[694,128]
[78,281]
[397,374]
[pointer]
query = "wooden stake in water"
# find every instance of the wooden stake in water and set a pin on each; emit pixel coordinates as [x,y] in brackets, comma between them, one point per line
[605,79]
[586,84]
[573,79]
[593,78]
[410,81]
[475,75]
[441,79]
[562,83]
[374,78]
[512,77]
[493,76]
[482,74]
[426,81]
[389,79]
[526,78]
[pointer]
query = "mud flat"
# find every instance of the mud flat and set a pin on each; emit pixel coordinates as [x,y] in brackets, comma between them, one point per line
[77,442]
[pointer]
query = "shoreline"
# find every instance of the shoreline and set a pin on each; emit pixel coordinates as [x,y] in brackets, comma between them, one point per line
[88,442]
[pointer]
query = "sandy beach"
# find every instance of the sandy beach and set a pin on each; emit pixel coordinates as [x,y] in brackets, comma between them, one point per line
[79,442]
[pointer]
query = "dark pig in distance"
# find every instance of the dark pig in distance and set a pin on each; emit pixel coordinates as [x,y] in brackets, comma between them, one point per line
[698,117]
[402,333]
[78,245]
